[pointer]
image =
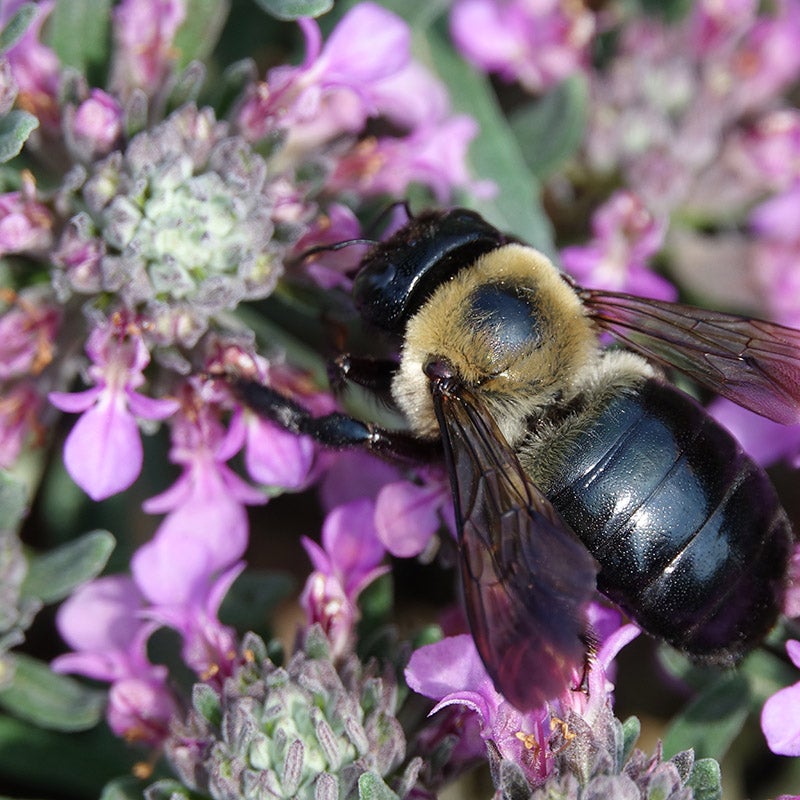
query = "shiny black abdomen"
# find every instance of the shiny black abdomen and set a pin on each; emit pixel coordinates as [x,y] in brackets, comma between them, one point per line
[691,539]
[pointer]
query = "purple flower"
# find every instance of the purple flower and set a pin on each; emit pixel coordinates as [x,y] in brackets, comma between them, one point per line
[101,621]
[767,58]
[407,515]
[451,672]
[35,68]
[537,44]
[329,93]
[776,255]
[348,561]
[27,334]
[780,717]
[329,268]
[19,410]
[714,23]
[625,236]
[354,475]
[103,452]
[433,155]
[770,149]
[206,528]
[144,31]
[96,124]
[274,456]
[791,601]
[25,224]
[209,647]
[766,441]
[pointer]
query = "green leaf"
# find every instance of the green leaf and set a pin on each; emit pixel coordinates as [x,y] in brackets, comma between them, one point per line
[706,780]
[495,153]
[253,597]
[199,32]
[51,764]
[127,788]
[79,32]
[166,789]
[52,701]
[17,25]
[712,720]
[207,703]
[294,9]
[631,729]
[372,787]
[53,575]
[550,129]
[13,502]
[15,127]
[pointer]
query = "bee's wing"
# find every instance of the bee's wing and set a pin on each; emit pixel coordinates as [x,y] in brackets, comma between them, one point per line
[752,362]
[527,578]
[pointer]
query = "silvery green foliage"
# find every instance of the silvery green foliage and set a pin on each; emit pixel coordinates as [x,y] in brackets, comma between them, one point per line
[17,609]
[600,763]
[180,223]
[306,730]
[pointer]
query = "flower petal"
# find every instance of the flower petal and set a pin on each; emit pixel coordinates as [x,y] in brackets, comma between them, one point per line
[103,452]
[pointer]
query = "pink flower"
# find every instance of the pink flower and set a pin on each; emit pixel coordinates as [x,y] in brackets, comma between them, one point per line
[19,417]
[101,621]
[145,32]
[206,526]
[451,672]
[764,440]
[767,58]
[97,124]
[780,717]
[625,236]
[330,92]
[433,155]
[209,647]
[348,561]
[770,148]
[407,515]
[35,68]
[27,334]
[25,224]
[537,44]
[103,452]
[329,268]
[776,254]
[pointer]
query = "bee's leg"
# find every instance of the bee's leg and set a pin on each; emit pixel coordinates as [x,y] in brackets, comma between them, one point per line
[374,374]
[334,430]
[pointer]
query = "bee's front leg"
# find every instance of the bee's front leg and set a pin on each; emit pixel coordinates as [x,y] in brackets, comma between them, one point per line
[374,374]
[336,430]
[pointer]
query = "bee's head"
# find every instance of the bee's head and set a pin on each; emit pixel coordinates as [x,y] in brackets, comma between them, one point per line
[398,275]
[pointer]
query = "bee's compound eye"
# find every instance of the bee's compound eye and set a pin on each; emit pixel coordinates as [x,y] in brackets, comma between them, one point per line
[506,315]
[379,292]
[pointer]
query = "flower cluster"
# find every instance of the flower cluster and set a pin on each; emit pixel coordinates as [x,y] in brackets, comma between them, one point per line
[309,729]
[162,218]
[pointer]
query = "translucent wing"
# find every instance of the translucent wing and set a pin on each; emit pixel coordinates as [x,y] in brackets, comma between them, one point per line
[752,362]
[527,578]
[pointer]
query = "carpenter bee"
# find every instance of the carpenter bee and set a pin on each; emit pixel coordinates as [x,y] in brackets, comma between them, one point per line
[573,466]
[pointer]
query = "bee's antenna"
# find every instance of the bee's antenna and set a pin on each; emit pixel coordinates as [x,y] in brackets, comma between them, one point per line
[388,210]
[327,248]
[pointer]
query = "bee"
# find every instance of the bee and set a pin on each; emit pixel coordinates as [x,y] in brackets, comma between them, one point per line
[573,466]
